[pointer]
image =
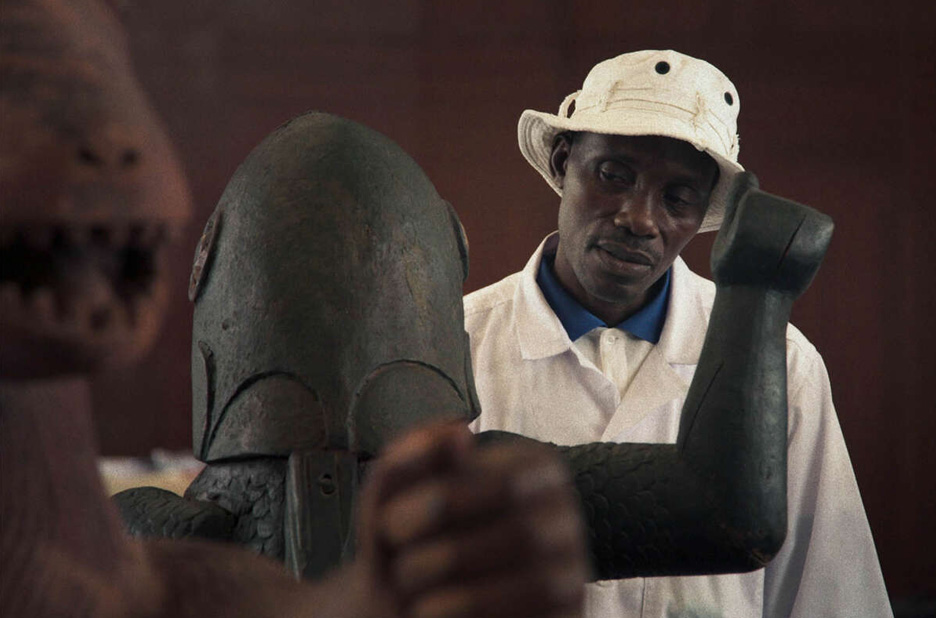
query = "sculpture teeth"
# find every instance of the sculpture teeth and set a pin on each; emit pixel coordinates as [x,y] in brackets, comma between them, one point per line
[93,292]
[148,236]
[60,236]
[55,274]
[136,233]
[77,236]
[42,304]
[161,235]
[100,236]
[124,317]
[119,235]
[100,319]
[131,312]
[39,237]
[65,311]
[10,299]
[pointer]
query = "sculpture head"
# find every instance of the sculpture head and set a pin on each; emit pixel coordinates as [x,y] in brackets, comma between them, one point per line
[89,192]
[327,289]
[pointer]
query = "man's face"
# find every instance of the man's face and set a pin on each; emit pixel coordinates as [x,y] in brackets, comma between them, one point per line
[629,206]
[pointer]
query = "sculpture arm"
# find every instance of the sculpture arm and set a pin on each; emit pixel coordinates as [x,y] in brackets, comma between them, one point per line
[155,512]
[714,502]
[646,513]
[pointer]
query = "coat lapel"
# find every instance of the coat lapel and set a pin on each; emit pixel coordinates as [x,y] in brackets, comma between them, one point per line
[654,385]
[656,382]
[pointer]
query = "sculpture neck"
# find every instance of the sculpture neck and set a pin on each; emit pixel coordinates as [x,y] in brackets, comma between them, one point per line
[55,513]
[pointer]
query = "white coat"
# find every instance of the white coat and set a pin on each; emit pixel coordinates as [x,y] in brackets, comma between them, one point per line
[533,381]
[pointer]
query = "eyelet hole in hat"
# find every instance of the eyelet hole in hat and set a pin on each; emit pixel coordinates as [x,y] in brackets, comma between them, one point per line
[729,99]
[662,67]
[571,109]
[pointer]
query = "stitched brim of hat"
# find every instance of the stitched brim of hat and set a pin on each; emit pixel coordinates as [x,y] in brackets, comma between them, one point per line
[537,130]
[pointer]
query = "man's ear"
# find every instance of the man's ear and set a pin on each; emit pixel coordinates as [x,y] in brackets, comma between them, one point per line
[559,157]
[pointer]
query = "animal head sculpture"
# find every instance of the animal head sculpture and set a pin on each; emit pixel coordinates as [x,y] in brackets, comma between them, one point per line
[327,289]
[89,191]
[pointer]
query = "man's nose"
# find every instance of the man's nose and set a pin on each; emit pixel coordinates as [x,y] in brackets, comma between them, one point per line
[635,213]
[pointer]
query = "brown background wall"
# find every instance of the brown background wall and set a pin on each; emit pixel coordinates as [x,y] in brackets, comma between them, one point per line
[837,112]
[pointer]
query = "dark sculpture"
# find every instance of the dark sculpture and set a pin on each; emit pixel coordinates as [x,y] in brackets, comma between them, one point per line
[328,318]
[296,388]
[90,190]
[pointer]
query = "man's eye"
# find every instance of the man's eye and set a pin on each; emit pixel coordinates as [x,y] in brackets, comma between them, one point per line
[616,173]
[682,197]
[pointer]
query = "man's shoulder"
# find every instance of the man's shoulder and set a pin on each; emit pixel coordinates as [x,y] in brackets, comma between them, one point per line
[703,291]
[491,297]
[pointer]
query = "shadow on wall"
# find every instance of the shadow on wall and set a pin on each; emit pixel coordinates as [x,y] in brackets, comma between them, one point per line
[914,607]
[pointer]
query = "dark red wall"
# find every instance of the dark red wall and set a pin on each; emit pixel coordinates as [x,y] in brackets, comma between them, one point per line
[837,112]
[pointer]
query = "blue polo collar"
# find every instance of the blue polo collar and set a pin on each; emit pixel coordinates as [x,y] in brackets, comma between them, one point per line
[647,323]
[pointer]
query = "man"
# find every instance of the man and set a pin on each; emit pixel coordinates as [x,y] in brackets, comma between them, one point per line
[598,337]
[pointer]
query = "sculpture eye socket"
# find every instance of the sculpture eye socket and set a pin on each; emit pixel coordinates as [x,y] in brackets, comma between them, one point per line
[203,254]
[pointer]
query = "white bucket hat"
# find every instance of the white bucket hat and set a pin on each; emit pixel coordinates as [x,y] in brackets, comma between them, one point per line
[648,93]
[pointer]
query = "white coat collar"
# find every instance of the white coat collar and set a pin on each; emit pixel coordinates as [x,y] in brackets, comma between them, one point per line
[540,333]
[687,318]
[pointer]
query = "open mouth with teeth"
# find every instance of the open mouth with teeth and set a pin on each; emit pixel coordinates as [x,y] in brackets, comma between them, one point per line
[92,284]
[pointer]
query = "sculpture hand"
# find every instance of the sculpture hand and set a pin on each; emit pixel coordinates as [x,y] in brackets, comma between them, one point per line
[451,529]
[768,241]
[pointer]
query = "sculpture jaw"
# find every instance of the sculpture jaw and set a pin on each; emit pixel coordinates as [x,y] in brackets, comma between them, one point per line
[76,295]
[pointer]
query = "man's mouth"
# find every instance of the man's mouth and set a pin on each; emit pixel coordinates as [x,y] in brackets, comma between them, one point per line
[623,256]
[96,280]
